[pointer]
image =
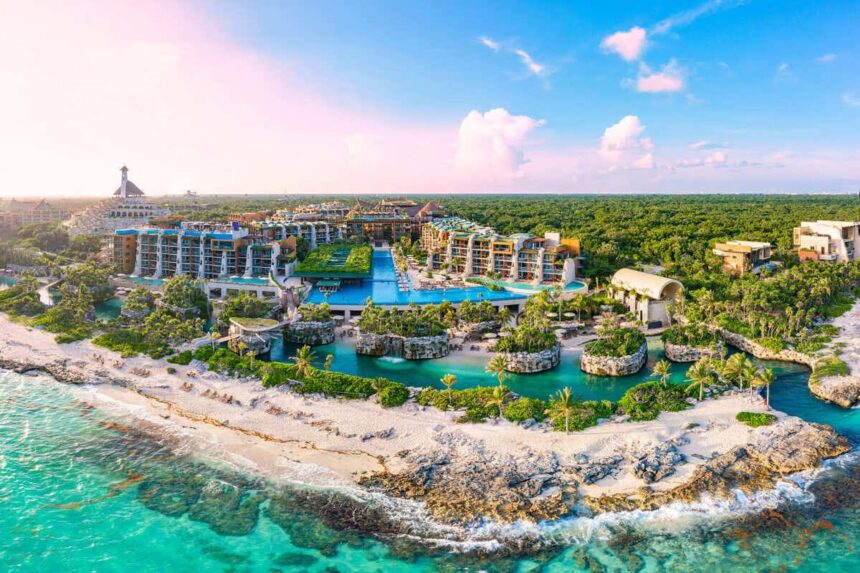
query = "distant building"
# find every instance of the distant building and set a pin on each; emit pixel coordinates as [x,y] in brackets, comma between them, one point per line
[837,241]
[649,297]
[9,221]
[740,257]
[458,246]
[128,207]
[37,212]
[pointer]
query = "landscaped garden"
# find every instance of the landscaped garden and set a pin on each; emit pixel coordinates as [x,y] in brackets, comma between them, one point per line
[337,260]
[617,342]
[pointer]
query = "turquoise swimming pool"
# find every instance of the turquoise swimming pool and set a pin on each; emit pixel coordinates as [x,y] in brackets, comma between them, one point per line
[573,286]
[382,288]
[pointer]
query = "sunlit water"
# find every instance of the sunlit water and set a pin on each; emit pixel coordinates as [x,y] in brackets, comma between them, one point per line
[83,489]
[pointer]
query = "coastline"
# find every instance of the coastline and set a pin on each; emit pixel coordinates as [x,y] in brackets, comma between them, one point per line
[499,470]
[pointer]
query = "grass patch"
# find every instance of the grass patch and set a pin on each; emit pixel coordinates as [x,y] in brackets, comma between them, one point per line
[755,419]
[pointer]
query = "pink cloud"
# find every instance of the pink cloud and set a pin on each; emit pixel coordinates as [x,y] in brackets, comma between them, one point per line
[490,145]
[669,79]
[629,45]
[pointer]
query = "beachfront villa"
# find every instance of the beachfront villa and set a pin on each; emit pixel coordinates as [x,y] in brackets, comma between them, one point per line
[649,297]
[127,207]
[837,241]
[459,247]
[741,257]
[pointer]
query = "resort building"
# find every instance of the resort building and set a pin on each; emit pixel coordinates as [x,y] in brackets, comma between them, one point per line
[457,246]
[740,257]
[225,257]
[648,297]
[828,241]
[36,212]
[126,208]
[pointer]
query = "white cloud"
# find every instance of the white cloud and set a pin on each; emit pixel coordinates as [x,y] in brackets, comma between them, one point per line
[620,139]
[490,43]
[851,99]
[689,16]
[645,162]
[629,45]
[534,67]
[715,158]
[783,73]
[669,79]
[825,58]
[705,144]
[489,145]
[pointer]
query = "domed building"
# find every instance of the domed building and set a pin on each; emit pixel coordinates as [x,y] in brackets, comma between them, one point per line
[127,207]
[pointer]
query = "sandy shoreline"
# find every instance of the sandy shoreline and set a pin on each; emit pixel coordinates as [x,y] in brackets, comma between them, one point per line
[331,441]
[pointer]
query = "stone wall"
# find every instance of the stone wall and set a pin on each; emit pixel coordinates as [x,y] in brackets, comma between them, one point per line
[411,348]
[531,362]
[312,333]
[474,330]
[134,315]
[614,365]
[762,353]
[683,353]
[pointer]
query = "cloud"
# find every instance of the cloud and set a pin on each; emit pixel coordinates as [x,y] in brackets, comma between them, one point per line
[490,43]
[704,144]
[489,145]
[825,58]
[645,162]
[535,68]
[629,45]
[620,139]
[689,16]
[715,158]
[851,99]
[783,73]
[669,79]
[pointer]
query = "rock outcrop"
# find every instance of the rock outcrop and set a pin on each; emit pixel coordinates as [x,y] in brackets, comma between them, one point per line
[531,362]
[312,333]
[683,353]
[410,348]
[614,365]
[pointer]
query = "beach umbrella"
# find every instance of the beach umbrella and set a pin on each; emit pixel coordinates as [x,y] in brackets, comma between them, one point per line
[570,314]
[489,335]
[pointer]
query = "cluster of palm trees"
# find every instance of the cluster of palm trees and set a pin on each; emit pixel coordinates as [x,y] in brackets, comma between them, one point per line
[304,359]
[709,372]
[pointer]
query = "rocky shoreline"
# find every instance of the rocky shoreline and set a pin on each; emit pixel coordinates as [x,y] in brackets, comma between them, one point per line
[461,473]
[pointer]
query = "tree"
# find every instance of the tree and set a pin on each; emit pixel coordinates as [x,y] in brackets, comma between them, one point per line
[242,348]
[329,359]
[498,367]
[765,377]
[498,399]
[449,380]
[662,370]
[561,407]
[303,359]
[700,375]
[214,334]
[736,369]
[504,316]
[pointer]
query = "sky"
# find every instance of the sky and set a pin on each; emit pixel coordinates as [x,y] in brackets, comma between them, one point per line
[404,97]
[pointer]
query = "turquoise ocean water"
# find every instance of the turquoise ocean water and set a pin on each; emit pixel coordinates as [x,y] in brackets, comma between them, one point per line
[84,489]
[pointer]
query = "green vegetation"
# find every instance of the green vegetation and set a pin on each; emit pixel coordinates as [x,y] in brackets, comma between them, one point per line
[647,400]
[415,321]
[773,343]
[71,319]
[527,338]
[393,394]
[182,293]
[523,409]
[689,335]
[617,342]
[831,366]
[245,305]
[315,313]
[478,312]
[90,276]
[337,260]
[484,282]
[184,358]
[139,300]
[755,419]
[22,298]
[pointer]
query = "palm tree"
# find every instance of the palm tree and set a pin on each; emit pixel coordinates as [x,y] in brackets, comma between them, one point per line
[561,406]
[242,347]
[214,333]
[251,354]
[765,378]
[700,374]
[662,370]
[497,366]
[498,399]
[329,359]
[504,316]
[303,358]
[449,380]
[736,368]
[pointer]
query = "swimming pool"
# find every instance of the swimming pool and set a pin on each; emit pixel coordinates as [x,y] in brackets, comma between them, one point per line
[382,289]
[572,286]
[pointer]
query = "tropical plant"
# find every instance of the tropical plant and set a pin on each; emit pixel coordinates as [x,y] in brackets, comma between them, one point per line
[329,360]
[448,380]
[498,367]
[765,377]
[700,375]
[561,407]
[303,358]
[662,370]
[499,397]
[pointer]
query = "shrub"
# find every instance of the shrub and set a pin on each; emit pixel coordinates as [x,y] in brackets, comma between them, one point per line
[755,419]
[357,261]
[184,358]
[831,366]
[586,415]
[245,305]
[773,343]
[475,400]
[315,313]
[412,322]
[203,353]
[171,370]
[395,394]
[690,335]
[617,342]
[131,342]
[527,338]
[645,401]
[523,409]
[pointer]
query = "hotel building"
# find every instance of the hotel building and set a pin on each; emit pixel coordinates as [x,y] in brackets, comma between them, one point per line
[462,247]
[128,207]
[837,241]
[740,257]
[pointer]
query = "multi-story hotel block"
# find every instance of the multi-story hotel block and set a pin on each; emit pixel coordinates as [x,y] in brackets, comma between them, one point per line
[828,241]
[462,247]
[740,257]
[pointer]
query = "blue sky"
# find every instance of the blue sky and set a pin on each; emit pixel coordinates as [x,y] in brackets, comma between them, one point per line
[366,96]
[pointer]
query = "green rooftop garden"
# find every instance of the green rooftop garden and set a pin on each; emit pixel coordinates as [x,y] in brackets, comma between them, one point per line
[342,260]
